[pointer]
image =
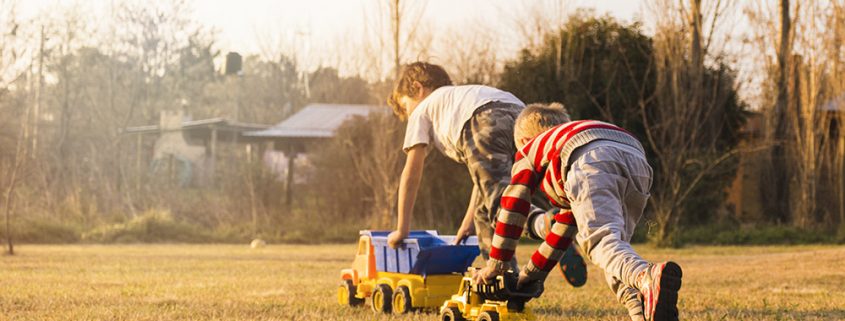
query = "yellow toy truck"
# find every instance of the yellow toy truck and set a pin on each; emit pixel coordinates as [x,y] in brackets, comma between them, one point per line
[487,302]
[422,273]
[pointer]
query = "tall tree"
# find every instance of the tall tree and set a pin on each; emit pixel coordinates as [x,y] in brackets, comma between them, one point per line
[10,51]
[778,203]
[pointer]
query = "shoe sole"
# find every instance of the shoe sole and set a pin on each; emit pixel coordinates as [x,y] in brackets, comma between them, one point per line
[666,308]
[573,268]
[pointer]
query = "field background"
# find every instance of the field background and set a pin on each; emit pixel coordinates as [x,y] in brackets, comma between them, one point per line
[290,282]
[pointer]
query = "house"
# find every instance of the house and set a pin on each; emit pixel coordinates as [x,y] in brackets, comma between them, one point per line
[313,123]
[192,144]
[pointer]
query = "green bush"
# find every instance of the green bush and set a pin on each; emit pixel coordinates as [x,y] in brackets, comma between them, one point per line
[302,229]
[43,232]
[723,234]
[150,227]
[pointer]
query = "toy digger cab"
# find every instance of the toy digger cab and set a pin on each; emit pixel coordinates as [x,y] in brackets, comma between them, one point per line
[422,273]
[487,302]
[502,290]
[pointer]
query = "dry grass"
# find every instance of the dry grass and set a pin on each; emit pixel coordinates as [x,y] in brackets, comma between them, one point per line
[225,282]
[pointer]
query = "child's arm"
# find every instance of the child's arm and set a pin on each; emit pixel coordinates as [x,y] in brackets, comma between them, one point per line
[549,253]
[467,227]
[409,184]
[513,212]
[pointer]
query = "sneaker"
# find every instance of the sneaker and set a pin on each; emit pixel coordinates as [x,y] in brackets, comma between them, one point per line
[659,286]
[573,268]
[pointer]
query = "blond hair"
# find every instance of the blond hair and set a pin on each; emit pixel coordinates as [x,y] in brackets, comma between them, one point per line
[430,76]
[537,118]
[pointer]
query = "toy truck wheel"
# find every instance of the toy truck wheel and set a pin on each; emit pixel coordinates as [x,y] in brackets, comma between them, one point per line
[402,300]
[382,299]
[346,294]
[451,314]
[488,316]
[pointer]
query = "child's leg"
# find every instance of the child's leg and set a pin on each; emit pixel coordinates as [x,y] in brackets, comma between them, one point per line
[608,189]
[487,148]
[482,227]
[628,296]
[600,187]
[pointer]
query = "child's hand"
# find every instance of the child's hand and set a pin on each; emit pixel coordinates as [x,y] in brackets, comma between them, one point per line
[395,239]
[463,233]
[486,274]
[528,285]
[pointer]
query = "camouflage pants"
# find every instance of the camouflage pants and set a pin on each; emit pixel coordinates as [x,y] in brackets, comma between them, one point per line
[487,149]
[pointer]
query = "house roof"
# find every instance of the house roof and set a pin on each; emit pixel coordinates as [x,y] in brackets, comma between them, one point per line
[315,121]
[219,123]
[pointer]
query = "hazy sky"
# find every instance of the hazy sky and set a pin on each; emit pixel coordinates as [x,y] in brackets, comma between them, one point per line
[310,26]
[240,21]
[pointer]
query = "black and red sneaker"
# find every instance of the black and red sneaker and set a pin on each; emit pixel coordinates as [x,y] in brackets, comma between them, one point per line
[659,287]
[573,268]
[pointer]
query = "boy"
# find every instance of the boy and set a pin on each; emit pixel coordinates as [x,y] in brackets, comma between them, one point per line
[470,124]
[599,172]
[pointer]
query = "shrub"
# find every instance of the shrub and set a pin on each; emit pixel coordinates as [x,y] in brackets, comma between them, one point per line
[44,231]
[152,226]
[753,235]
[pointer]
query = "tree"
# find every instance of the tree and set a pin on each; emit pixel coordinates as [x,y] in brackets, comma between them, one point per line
[692,119]
[395,32]
[605,69]
[779,189]
[803,87]
[327,86]
[360,168]
[10,165]
[471,55]
[614,73]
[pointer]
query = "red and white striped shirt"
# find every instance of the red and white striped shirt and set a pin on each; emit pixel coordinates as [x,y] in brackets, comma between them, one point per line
[543,163]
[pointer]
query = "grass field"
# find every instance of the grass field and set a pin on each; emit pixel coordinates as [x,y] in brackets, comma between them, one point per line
[227,282]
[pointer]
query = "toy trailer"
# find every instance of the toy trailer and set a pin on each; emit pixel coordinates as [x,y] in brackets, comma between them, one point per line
[422,273]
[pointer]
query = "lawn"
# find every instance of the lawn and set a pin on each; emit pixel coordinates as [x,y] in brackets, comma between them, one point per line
[290,282]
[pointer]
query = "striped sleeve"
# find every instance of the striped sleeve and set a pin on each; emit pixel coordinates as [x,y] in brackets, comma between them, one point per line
[515,203]
[556,243]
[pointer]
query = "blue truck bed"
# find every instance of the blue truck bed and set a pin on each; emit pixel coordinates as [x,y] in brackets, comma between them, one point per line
[423,253]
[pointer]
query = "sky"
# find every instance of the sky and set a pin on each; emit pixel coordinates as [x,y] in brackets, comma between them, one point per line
[329,33]
[241,21]
[308,27]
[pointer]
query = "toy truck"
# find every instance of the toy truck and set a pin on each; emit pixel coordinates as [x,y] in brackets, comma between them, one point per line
[422,273]
[487,302]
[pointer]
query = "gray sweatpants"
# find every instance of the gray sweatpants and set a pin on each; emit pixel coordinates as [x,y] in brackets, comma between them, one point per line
[608,185]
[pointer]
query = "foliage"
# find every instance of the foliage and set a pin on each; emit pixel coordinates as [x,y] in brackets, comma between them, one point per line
[327,86]
[149,227]
[597,67]
[601,69]
[734,234]
[360,172]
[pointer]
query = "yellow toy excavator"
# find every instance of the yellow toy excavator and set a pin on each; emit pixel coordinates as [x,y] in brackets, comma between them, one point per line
[487,302]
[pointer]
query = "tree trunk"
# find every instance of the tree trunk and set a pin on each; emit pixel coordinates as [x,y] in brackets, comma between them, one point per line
[776,197]
[20,154]
[840,159]
[396,29]
[695,21]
